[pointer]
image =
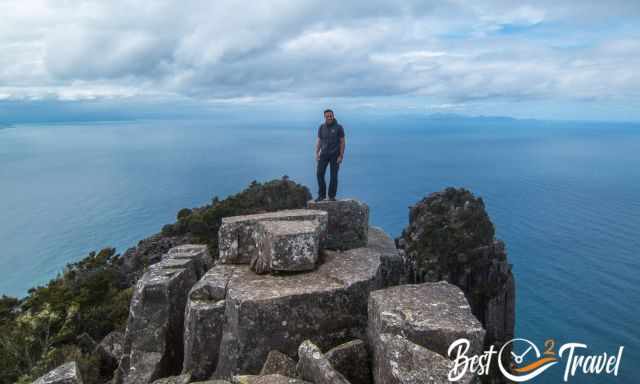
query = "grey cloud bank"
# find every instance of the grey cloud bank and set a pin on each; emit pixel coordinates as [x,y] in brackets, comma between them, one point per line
[416,55]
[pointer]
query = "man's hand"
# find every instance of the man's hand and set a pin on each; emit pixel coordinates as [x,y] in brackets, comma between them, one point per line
[317,156]
[339,160]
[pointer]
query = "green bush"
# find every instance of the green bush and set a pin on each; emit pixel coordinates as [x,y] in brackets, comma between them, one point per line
[38,332]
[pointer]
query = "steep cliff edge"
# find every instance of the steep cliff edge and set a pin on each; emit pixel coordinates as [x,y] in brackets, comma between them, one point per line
[268,289]
[451,237]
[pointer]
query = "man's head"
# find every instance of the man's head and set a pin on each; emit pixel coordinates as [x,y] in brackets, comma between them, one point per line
[328,116]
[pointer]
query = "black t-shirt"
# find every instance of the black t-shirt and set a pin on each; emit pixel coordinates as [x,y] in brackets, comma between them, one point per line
[329,136]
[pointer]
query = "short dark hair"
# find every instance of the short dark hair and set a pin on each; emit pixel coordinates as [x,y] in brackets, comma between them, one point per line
[327,110]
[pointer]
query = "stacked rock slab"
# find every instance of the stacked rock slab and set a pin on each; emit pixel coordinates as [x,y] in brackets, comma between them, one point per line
[204,320]
[263,313]
[401,361]
[315,367]
[237,237]
[153,342]
[348,222]
[427,316]
[286,246]
[352,360]
[65,374]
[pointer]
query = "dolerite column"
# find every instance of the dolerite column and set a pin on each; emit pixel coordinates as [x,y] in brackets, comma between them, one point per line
[348,222]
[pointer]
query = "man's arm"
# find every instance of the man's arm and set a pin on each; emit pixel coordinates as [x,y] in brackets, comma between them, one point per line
[342,145]
[317,149]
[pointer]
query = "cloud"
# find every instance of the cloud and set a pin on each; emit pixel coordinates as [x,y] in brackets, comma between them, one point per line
[451,52]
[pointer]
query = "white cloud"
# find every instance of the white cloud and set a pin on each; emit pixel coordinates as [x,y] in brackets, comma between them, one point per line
[247,52]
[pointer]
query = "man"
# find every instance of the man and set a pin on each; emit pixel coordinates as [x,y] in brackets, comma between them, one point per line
[329,151]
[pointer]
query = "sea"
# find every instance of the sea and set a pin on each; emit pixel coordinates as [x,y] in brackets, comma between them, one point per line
[564,197]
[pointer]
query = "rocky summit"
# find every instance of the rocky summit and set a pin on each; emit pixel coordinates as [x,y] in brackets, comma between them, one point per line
[318,295]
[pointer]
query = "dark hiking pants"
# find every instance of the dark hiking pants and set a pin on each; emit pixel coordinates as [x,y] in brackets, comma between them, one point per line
[332,161]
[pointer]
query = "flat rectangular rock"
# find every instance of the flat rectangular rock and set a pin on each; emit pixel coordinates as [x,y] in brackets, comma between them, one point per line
[348,222]
[286,246]
[432,315]
[199,253]
[237,242]
[399,361]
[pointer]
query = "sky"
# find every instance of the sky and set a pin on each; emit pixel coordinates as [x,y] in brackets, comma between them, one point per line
[568,60]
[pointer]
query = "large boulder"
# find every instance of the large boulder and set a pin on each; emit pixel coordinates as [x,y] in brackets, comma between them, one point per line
[352,360]
[327,305]
[153,346]
[450,237]
[348,222]
[266,379]
[180,379]
[399,361]
[279,364]
[314,366]
[109,351]
[287,246]
[204,320]
[65,374]
[432,315]
[237,239]
[198,253]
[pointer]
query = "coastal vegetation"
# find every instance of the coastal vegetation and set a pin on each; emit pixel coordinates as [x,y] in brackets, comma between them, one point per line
[90,298]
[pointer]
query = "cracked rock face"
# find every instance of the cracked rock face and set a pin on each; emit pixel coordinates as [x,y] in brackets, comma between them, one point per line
[286,246]
[428,316]
[352,360]
[237,235]
[278,312]
[450,237]
[153,342]
[65,374]
[279,364]
[266,379]
[314,366]
[432,315]
[348,222]
[399,361]
[204,319]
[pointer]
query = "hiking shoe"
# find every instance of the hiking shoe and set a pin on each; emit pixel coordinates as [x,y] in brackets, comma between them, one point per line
[319,199]
[332,199]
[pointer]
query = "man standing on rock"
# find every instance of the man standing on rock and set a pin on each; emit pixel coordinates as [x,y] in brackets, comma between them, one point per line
[329,150]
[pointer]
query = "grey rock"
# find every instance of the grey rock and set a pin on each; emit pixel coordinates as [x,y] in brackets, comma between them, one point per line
[147,252]
[112,344]
[67,373]
[279,363]
[278,312]
[432,315]
[352,360]
[109,352]
[286,246]
[154,335]
[348,222]
[451,237]
[204,320]
[86,343]
[237,238]
[267,379]
[181,379]
[399,361]
[211,382]
[314,366]
[199,253]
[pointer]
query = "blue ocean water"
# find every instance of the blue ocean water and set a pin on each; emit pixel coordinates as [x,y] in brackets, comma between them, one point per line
[563,196]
